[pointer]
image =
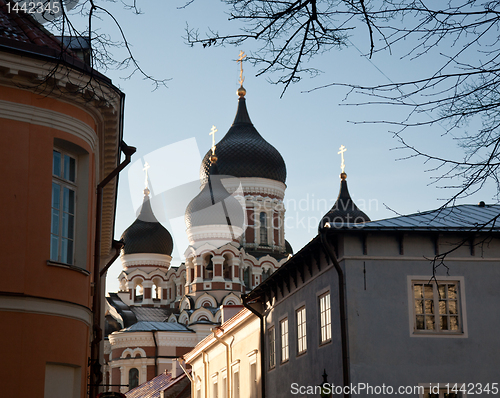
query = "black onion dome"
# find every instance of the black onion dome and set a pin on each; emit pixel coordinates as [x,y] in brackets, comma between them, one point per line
[244,153]
[344,211]
[146,234]
[214,205]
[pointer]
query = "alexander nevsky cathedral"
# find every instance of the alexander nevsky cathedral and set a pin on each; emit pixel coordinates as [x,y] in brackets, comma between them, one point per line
[235,228]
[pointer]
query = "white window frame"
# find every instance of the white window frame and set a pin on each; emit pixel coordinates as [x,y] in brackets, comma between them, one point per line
[301,318]
[284,340]
[462,313]
[263,227]
[215,385]
[71,186]
[325,317]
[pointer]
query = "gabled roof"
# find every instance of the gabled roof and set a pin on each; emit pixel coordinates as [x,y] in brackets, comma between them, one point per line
[454,218]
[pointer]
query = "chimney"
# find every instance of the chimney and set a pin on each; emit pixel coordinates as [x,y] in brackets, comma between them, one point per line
[228,311]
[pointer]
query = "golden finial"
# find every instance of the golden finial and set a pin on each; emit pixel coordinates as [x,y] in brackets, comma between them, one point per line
[241,91]
[212,133]
[341,151]
[146,185]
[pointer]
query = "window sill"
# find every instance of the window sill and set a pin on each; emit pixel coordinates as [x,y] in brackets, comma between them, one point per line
[302,353]
[438,334]
[68,266]
[324,343]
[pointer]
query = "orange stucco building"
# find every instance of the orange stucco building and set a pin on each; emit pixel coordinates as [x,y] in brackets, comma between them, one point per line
[60,130]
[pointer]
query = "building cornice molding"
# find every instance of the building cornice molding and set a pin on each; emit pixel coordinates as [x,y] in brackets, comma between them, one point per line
[42,306]
[145,339]
[48,118]
[145,260]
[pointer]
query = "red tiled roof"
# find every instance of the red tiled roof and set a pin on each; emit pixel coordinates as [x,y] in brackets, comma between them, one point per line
[153,387]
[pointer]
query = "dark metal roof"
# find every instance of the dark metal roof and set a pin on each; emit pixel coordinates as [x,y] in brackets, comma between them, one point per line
[146,234]
[344,211]
[244,153]
[455,218]
[214,205]
[160,326]
[151,314]
[123,309]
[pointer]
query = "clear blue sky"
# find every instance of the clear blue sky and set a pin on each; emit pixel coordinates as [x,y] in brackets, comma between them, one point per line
[307,128]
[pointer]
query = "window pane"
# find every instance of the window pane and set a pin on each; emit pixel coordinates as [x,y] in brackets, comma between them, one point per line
[428,291]
[443,323]
[429,307]
[417,291]
[442,306]
[442,291]
[454,323]
[429,322]
[68,226]
[56,163]
[67,251]
[452,305]
[56,196]
[420,322]
[452,292]
[68,200]
[54,227]
[69,168]
[54,248]
[64,250]
[419,306]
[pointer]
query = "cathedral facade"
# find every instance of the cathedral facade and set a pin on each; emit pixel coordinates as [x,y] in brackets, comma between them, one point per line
[235,228]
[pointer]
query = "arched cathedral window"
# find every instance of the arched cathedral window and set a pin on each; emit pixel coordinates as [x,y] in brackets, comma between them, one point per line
[263,228]
[133,378]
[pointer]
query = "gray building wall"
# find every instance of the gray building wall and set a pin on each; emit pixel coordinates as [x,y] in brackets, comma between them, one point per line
[305,369]
[382,346]
[383,349]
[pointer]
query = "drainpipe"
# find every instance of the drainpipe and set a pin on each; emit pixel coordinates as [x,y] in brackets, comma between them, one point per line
[262,345]
[95,364]
[117,246]
[179,360]
[342,307]
[228,359]
[156,352]
[205,370]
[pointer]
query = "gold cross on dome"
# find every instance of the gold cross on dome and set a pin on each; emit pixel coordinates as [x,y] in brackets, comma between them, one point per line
[145,169]
[212,133]
[240,60]
[341,153]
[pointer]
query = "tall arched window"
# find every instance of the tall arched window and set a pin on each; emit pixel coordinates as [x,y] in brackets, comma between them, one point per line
[265,274]
[209,268]
[133,378]
[226,269]
[263,228]
[246,278]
